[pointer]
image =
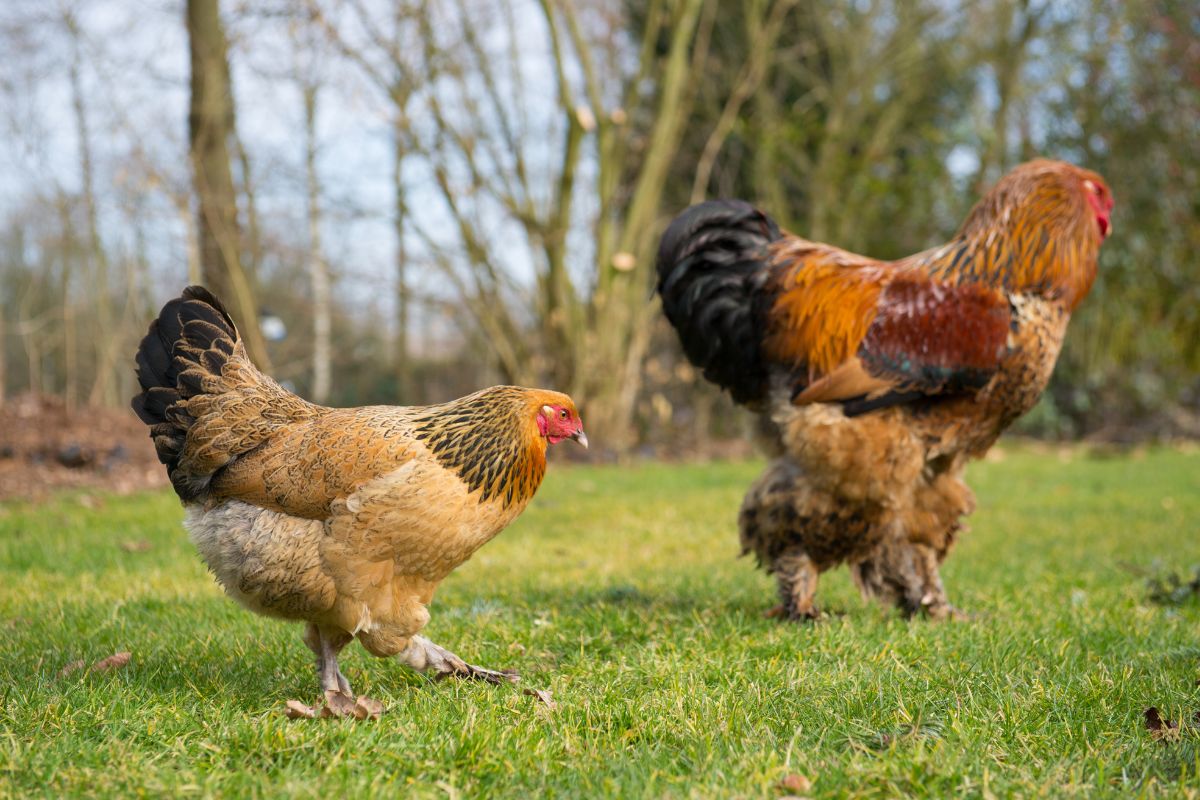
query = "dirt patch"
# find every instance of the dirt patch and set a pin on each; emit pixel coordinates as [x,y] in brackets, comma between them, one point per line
[45,447]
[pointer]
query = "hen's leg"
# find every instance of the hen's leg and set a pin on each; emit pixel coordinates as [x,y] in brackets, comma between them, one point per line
[326,644]
[425,656]
[797,576]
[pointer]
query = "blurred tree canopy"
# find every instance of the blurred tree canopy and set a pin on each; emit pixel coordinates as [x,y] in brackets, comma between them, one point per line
[431,197]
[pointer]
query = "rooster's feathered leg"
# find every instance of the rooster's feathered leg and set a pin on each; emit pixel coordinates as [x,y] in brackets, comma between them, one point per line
[907,575]
[797,576]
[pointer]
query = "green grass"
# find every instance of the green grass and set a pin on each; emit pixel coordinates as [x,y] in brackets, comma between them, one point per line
[622,586]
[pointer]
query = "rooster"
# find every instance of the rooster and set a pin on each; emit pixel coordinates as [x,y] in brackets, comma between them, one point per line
[875,381]
[346,519]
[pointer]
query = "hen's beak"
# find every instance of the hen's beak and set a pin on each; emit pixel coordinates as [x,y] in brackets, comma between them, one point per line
[581,437]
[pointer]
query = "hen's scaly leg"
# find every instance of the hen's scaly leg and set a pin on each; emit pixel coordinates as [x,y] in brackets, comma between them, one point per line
[326,644]
[425,656]
[797,576]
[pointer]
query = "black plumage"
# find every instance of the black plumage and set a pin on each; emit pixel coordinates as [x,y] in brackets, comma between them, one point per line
[192,330]
[710,277]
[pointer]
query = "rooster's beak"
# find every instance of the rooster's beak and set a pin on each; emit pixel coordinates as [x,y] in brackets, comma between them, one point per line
[581,437]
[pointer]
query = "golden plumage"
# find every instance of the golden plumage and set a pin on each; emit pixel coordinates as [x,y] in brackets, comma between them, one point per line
[346,519]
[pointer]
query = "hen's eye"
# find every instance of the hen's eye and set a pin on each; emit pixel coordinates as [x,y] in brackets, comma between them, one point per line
[562,413]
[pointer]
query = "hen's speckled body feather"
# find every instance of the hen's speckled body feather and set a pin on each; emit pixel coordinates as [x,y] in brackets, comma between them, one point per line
[344,518]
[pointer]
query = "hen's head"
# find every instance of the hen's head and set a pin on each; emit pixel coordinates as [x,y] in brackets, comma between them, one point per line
[556,417]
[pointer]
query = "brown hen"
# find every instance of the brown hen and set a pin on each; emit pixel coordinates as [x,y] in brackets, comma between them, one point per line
[345,519]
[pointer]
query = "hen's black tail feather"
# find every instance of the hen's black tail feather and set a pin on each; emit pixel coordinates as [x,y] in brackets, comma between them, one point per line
[193,330]
[711,273]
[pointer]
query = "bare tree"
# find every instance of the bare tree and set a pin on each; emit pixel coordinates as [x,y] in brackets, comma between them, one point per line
[210,127]
[396,66]
[322,354]
[584,323]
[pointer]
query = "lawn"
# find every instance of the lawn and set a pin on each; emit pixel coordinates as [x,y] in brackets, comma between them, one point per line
[619,591]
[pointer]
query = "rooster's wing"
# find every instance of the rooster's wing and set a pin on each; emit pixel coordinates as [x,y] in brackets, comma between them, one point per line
[867,334]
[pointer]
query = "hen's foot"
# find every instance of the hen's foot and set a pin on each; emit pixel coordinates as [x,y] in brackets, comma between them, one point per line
[492,676]
[425,656]
[337,704]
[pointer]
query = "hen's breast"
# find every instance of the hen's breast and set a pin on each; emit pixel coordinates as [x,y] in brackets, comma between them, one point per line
[268,561]
[422,517]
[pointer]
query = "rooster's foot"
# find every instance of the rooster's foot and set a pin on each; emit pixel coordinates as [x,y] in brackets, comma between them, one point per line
[944,612]
[810,614]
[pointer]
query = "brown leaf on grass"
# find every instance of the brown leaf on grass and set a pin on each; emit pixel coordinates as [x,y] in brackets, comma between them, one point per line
[73,666]
[795,783]
[1159,728]
[297,710]
[371,706]
[140,546]
[115,661]
[543,695]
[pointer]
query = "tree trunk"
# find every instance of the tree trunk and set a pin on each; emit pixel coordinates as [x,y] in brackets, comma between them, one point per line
[403,366]
[3,362]
[317,268]
[210,126]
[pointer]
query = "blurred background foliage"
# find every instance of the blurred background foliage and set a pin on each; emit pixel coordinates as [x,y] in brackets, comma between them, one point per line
[429,197]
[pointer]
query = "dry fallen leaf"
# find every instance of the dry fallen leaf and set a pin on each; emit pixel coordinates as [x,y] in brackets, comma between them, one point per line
[1159,728]
[371,706]
[795,783]
[115,661]
[516,647]
[74,666]
[543,695]
[140,546]
[297,710]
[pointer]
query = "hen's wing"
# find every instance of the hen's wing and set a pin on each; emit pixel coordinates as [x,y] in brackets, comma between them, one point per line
[867,334]
[304,466]
[227,431]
